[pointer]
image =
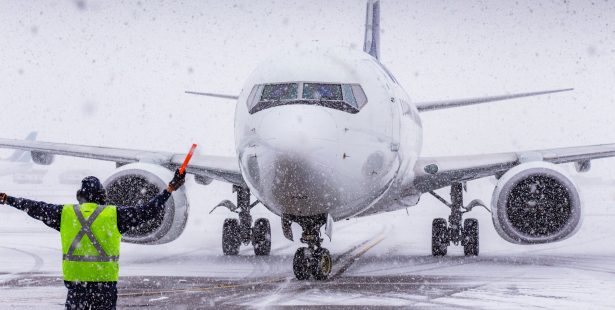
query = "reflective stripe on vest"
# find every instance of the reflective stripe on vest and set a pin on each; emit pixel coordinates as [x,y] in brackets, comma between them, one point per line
[84,257]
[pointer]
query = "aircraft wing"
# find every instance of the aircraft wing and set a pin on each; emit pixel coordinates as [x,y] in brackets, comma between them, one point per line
[454,103]
[216,95]
[219,168]
[437,172]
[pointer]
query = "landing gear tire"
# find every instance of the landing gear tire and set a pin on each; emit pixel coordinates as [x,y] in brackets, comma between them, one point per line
[261,237]
[301,263]
[312,260]
[321,268]
[439,240]
[470,237]
[231,237]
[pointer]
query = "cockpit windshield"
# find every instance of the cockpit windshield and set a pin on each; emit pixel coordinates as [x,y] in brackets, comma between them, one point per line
[322,91]
[279,91]
[344,97]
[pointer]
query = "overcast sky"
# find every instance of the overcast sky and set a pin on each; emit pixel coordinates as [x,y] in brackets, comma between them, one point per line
[113,73]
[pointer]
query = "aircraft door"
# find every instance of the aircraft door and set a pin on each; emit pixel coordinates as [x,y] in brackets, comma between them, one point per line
[395,103]
[396,123]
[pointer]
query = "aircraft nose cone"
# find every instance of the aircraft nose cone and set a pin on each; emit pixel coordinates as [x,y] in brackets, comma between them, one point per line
[293,160]
[297,129]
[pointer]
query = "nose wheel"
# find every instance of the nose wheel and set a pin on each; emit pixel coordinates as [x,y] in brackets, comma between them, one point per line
[444,233]
[322,264]
[236,232]
[313,260]
[301,263]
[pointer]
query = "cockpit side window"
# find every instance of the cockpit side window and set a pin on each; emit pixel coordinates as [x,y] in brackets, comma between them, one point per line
[257,89]
[349,96]
[359,95]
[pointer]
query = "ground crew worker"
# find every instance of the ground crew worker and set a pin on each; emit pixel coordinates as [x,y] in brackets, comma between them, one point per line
[91,232]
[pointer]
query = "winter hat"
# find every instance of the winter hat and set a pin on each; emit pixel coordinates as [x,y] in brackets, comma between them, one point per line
[91,191]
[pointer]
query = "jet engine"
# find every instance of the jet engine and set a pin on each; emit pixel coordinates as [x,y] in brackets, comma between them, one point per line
[536,202]
[137,183]
[42,158]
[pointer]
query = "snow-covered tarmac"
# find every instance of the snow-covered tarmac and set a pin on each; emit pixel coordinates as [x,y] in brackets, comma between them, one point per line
[383,260]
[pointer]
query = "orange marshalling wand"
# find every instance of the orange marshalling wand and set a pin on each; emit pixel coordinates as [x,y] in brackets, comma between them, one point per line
[182,169]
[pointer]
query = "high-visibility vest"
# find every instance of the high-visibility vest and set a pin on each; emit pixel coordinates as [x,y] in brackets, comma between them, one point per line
[90,243]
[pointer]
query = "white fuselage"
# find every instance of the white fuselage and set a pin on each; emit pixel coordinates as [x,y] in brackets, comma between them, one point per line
[306,159]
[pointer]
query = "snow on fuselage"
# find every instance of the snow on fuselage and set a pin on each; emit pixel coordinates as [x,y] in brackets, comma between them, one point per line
[305,144]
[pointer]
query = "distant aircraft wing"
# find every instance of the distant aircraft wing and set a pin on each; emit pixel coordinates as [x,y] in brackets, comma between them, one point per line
[219,168]
[446,104]
[22,156]
[437,172]
[223,96]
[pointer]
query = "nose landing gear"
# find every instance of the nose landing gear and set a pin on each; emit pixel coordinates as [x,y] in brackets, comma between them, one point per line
[443,233]
[313,260]
[238,231]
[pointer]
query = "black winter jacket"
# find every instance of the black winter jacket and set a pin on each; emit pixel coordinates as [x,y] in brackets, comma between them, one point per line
[128,217]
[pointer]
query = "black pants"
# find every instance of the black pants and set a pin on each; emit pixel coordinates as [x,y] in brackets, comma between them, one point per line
[91,295]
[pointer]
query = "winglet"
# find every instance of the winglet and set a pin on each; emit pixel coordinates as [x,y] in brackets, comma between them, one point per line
[371,43]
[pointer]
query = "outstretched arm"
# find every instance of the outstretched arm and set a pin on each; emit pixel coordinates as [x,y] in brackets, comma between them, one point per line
[133,217]
[50,214]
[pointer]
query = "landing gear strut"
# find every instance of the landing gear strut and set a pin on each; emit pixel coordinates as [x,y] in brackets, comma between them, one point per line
[443,233]
[238,231]
[313,260]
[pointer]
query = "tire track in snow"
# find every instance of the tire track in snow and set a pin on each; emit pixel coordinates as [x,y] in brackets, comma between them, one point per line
[38,263]
[284,283]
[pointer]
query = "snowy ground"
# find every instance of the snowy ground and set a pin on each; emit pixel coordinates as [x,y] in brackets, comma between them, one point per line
[380,260]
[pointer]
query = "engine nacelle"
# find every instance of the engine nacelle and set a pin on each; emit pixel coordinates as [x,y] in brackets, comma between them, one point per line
[137,183]
[536,202]
[42,158]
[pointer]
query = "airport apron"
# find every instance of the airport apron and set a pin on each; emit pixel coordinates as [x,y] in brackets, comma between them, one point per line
[90,243]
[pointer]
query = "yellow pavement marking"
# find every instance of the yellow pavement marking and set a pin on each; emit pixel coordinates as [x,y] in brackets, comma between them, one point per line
[353,256]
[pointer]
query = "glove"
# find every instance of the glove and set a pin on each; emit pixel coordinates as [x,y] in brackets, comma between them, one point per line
[3,197]
[178,180]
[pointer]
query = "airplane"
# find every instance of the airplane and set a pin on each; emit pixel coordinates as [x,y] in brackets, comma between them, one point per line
[19,165]
[18,160]
[323,135]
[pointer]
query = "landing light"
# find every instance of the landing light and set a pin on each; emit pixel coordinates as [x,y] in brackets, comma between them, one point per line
[431,168]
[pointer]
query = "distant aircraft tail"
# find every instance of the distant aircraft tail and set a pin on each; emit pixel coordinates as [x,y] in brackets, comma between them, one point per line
[371,44]
[23,156]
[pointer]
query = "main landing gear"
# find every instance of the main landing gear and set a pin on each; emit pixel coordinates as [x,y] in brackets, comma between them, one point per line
[238,231]
[313,260]
[443,233]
